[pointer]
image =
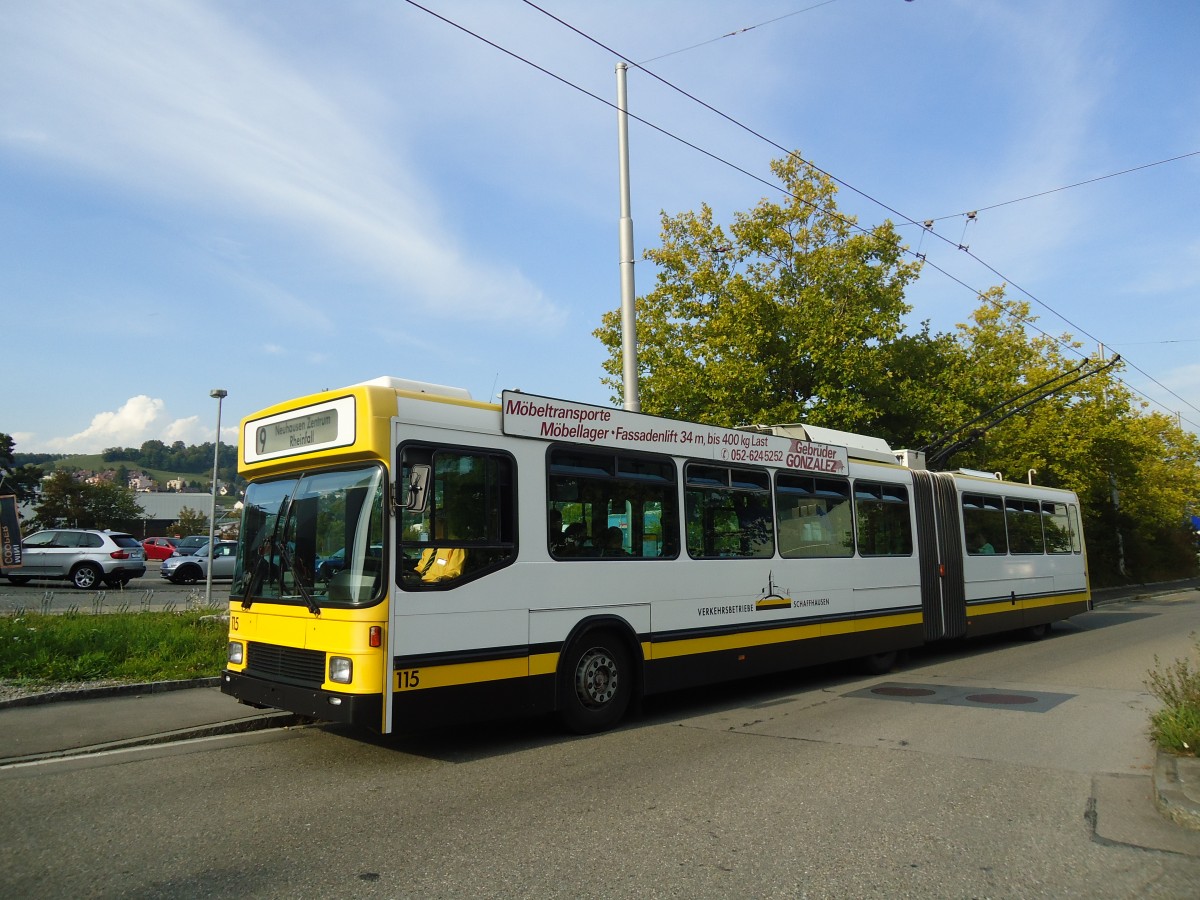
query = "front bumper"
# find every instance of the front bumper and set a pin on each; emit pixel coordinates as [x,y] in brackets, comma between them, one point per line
[364,710]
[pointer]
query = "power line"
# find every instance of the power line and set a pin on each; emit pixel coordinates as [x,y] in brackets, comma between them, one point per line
[969,213]
[739,31]
[1147,343]
[1065,187]
[773,186]
[856,190]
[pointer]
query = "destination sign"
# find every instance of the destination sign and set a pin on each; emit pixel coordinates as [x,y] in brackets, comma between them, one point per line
[318,427]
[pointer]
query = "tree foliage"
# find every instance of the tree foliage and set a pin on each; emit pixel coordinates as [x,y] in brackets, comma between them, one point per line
[65,502]
[20,481]
[191,521]
[792,313]
[178,457]
[795,313]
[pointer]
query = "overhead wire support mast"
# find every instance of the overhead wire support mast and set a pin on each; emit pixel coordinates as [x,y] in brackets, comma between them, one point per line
[629,364]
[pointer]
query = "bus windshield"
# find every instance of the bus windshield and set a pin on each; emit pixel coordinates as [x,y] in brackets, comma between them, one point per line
[315,539]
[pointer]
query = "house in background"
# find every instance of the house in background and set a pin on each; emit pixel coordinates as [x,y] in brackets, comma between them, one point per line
[142,483]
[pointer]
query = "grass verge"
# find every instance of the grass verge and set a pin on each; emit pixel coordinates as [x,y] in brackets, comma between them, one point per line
[1176,726]
[40,650]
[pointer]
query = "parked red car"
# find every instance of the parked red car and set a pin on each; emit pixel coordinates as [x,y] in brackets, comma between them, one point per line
[159,547]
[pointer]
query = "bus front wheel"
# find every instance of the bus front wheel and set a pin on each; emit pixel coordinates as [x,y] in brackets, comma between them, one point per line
[596,682]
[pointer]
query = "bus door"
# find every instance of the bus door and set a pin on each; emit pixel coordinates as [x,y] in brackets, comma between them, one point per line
[943,588]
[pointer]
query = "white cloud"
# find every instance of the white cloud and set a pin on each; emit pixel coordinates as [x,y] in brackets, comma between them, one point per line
[129,426]
[171,100]
[186,430]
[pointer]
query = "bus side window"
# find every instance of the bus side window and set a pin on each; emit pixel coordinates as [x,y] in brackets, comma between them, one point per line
[467,527]
[728,513]
[1057,527]
[983,525]
[612,505]
[1024,520]
[814,517]
[884,519]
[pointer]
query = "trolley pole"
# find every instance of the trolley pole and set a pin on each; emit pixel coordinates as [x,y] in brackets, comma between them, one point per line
[629,365]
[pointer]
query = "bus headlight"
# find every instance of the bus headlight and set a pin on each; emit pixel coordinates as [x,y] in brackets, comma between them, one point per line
[341,670]
[235,652]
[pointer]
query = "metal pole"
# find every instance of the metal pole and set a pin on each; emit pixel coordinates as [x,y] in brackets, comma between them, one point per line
[1116,495]
[220,395]
[629,366]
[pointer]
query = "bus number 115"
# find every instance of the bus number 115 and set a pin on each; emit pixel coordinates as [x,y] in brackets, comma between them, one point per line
[407,678]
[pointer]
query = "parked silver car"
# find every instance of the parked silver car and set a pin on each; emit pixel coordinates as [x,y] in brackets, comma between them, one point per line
[84,556]
[190,569]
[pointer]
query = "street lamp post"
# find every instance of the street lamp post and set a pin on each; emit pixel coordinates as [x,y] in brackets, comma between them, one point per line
[220,395]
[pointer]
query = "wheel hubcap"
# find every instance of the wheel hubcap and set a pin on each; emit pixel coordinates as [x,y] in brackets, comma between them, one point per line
[596,679]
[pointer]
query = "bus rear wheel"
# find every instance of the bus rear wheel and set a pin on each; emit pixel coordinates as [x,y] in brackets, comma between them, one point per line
[595,683]
[1035,632]
[880,663]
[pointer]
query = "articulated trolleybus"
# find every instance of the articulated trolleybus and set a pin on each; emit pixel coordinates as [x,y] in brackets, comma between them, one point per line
[409,555]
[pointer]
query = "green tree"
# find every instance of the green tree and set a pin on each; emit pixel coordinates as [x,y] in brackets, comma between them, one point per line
[20,481]
[1137,473]
[66,502]
[791,313]
[190,522]
[794,313]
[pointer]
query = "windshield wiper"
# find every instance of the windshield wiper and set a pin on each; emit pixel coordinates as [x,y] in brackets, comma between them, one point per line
[289,564]
[259,573]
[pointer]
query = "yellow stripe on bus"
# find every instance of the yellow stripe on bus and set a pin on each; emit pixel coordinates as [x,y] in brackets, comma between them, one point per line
[1003,606]
[455,674]
[461,673]
[761,638]
[1060,600]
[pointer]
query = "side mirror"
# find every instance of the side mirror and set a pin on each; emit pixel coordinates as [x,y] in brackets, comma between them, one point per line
[418,484]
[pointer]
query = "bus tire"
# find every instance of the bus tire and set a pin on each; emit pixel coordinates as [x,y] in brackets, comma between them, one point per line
[1035,632]
[880,663]
[595,683]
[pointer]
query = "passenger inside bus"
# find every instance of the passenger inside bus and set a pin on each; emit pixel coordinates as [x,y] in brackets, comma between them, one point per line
[614,540]
[555,531]
[575,540]
[439,564]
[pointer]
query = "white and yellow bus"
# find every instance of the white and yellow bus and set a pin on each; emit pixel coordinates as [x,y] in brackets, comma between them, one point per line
[409,556]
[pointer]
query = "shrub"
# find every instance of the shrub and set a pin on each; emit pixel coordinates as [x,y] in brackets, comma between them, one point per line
[1176,726]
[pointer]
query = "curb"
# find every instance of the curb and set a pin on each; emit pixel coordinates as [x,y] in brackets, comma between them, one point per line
[1140,592]
[1171,796]
[111,690]
[235,726]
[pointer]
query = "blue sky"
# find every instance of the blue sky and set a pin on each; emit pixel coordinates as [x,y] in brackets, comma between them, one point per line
[282,196]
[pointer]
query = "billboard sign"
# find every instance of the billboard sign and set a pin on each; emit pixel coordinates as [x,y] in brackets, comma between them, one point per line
[10,533]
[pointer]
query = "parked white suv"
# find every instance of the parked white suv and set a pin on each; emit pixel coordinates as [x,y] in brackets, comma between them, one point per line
[84,556]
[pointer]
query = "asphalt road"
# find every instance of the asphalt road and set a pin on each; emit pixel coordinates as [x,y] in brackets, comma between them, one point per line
[999,769]
[151,591]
